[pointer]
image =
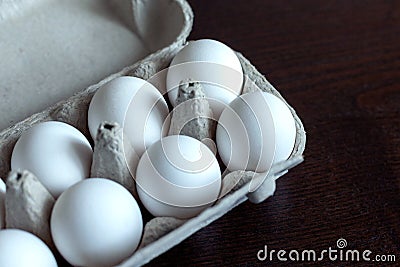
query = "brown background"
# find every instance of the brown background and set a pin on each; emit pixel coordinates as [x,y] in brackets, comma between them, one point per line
[338,64]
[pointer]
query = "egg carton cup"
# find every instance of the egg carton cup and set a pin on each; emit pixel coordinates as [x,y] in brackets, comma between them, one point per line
[160,233]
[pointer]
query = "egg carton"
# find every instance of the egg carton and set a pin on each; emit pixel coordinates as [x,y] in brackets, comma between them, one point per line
[160,234]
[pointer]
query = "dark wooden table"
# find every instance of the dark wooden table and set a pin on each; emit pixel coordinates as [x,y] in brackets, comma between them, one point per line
[338,64]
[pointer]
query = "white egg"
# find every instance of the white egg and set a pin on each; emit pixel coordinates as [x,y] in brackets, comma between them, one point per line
[284,125]
[22,249]
[56,153]
[213,64]
[255,131]
[96,222]
[178,177]
[2,203]
[135,105]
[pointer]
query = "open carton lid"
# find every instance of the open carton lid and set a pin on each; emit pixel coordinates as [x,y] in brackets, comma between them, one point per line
[51,50]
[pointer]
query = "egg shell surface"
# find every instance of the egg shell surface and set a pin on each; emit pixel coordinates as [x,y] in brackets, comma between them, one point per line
[96,222]
[178,176]
[58,154]
[135,105]
[211,63]
[22,249]
[255,131]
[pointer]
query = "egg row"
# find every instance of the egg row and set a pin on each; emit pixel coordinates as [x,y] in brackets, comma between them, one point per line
[97,221]
[254,130]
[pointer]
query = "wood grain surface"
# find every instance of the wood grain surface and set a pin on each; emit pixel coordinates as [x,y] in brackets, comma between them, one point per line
[338,64]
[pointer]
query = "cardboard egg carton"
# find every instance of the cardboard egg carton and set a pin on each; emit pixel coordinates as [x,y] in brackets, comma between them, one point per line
[160,30]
